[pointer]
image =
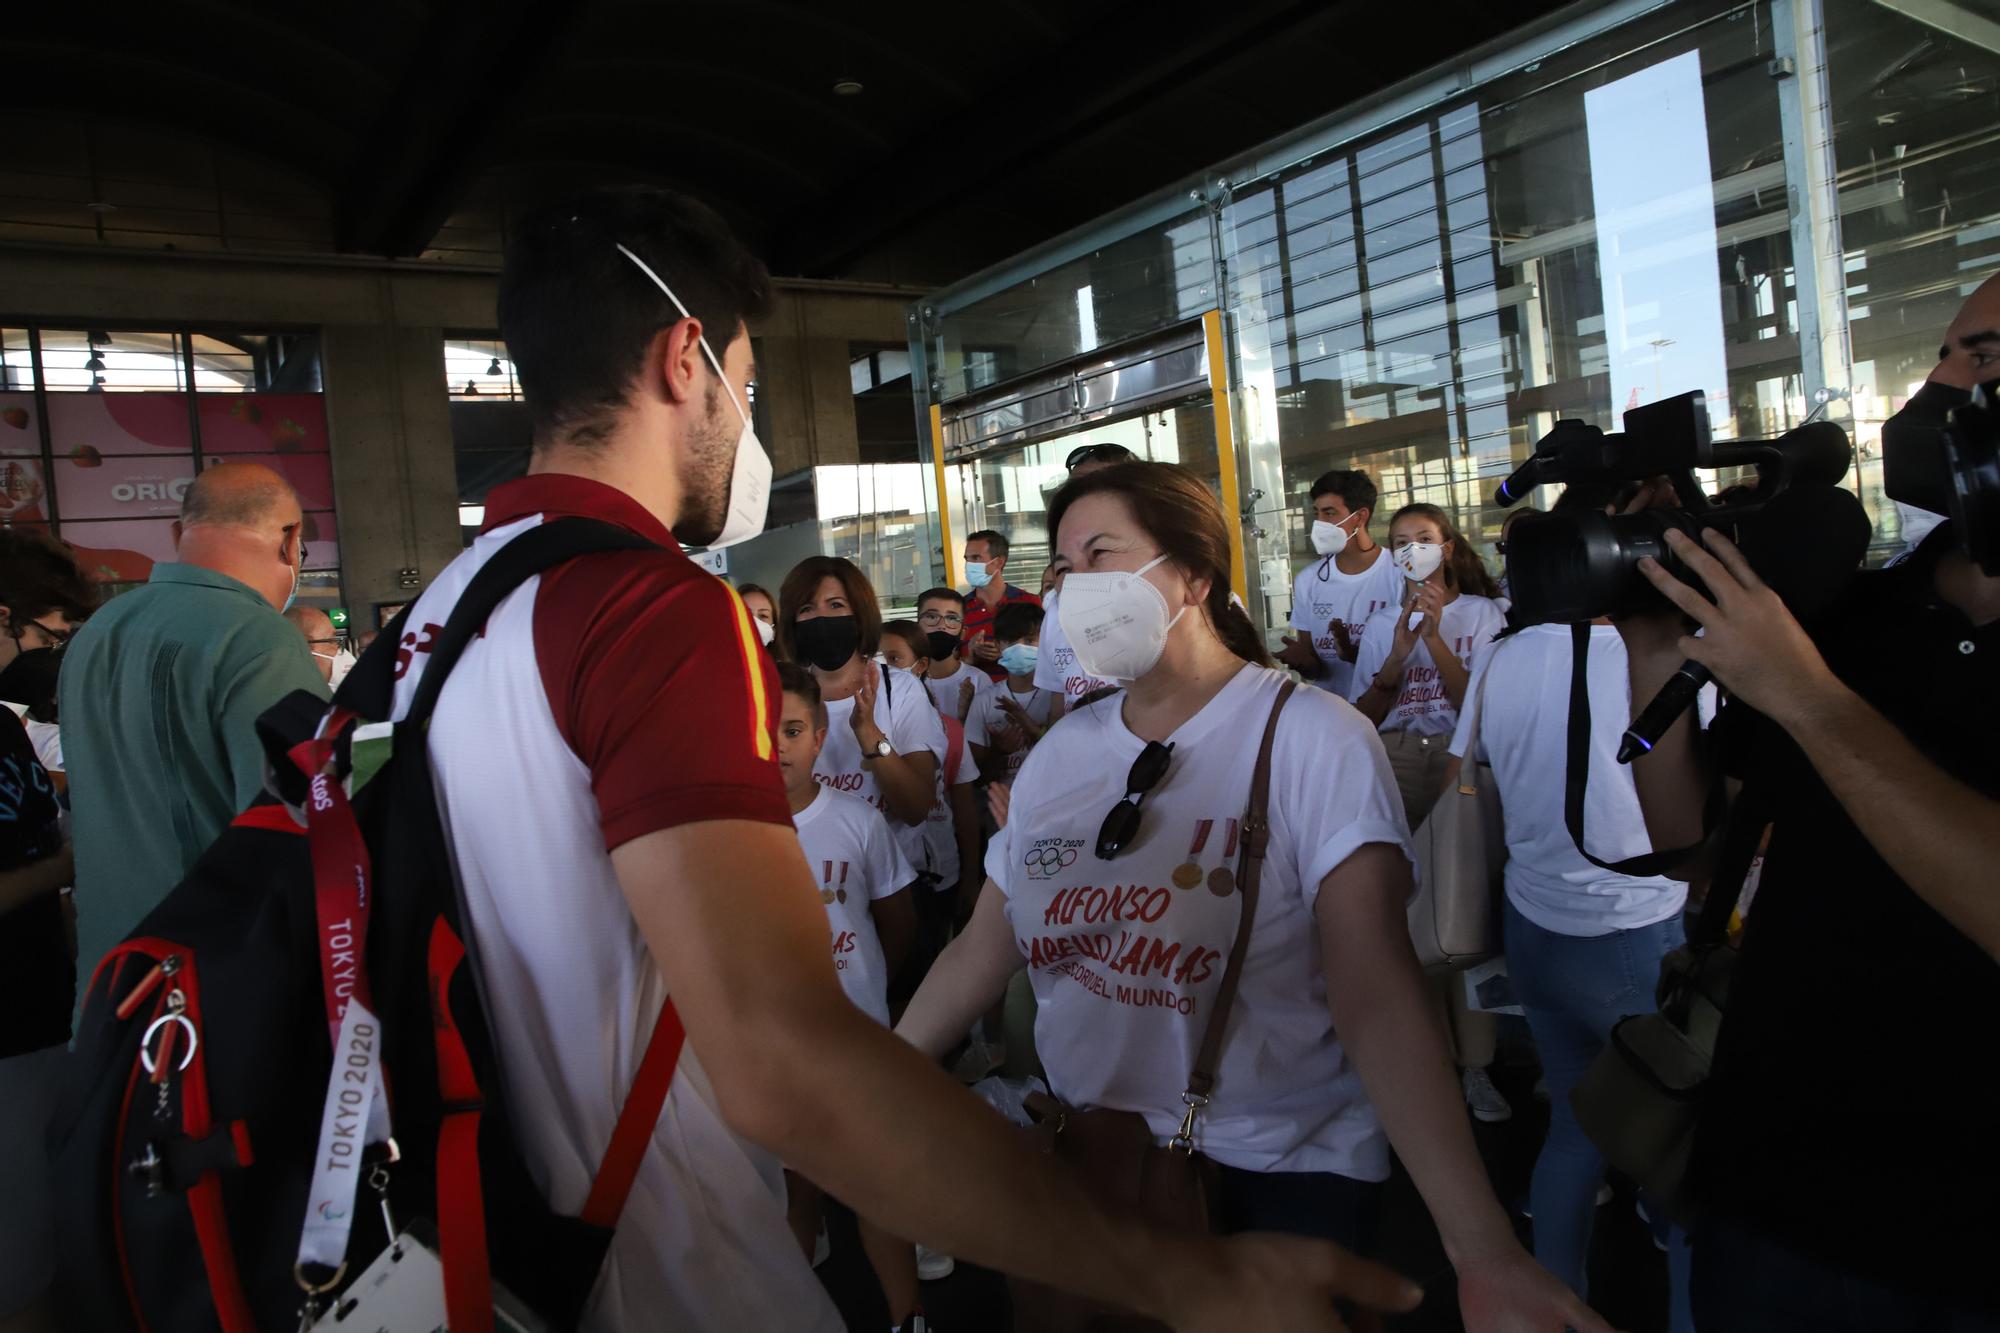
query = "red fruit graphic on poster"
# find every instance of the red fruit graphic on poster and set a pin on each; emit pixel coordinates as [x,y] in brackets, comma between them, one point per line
[288,435]
[246,409]
[85,455]
[17,417]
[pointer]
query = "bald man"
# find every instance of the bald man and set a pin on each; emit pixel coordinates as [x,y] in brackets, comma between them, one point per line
[167,686]
[316,627]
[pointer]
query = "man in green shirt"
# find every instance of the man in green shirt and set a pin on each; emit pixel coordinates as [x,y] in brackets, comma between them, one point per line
[160,695]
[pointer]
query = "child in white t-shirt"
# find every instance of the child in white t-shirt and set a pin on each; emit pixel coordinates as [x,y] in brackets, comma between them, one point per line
[956,687]
[864,883]
[1017,712]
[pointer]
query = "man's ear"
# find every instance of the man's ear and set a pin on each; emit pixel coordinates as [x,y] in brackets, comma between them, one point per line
[176,530]
[674,361]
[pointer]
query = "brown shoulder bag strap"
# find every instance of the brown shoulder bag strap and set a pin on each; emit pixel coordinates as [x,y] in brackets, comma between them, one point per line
[1250,869]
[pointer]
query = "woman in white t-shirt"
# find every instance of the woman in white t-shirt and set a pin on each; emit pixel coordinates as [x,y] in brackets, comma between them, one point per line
[1584,944]
[884,740]
[1410,680]
[1126,931]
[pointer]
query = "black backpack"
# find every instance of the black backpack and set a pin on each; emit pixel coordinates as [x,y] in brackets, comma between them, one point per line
[190,1124]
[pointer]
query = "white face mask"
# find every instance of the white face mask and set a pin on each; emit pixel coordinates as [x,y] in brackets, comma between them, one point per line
[1117,622]
[978,576]
[1419,560]
[1329,538]
[765,631]
[343,662]
[750,478]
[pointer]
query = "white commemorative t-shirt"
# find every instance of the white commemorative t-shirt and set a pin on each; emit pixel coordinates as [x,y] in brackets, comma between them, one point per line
[940,831]
[1524,731]
[904,712]
[1321,594]
[946,691]
[1422,706]
[1126,956]
[855,863]
[1056,668]
[1036,702]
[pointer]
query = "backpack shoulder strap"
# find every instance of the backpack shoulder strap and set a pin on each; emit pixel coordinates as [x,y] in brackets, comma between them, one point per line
[535,551]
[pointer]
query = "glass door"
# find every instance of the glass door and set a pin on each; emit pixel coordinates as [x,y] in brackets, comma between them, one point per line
[1008,489]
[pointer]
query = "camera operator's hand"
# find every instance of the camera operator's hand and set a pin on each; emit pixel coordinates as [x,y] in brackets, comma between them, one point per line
[1752,643]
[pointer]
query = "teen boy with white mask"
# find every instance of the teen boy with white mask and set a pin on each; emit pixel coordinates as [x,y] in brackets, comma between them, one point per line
[1352,579]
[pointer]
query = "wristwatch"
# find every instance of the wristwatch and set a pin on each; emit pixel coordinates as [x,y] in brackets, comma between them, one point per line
[883,749]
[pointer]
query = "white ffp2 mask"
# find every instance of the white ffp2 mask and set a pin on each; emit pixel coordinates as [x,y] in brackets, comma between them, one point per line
[750,477]
[1329,538]
[1419,560]
[1116,622]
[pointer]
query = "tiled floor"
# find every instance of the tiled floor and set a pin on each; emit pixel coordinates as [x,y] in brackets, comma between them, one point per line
[1628,1275]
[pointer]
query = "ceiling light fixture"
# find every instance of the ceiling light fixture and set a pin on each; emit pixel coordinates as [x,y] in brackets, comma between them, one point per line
[494,368]
[846,87]
[96,384]
[97,336]
[95,363]
[472,388]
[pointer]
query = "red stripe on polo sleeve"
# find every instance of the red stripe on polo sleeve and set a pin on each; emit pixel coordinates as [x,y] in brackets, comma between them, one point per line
[661,690]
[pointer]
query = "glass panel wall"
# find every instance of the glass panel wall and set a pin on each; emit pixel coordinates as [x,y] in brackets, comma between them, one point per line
[1605,220]
[1916,130]
[99,437]
[1568,243]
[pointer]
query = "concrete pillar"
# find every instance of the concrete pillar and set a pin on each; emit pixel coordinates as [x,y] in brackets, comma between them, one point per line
[394,478]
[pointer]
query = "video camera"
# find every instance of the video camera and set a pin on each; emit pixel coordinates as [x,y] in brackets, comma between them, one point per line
[1972,452]
[1802,533]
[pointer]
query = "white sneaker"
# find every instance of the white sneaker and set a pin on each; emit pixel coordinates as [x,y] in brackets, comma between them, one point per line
[931,1265]
[1485,1100]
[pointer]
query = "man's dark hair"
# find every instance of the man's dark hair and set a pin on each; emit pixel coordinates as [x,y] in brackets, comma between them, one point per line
[1016,621]
[578,317]
[996,545]
[1355,490]
[940,595]
[39,574]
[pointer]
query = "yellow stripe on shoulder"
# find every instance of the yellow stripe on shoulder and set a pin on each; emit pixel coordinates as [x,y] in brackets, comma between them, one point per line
[753,672]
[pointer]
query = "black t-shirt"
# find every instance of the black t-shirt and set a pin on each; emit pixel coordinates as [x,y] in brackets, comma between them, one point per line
[1853,1111]
[37,973]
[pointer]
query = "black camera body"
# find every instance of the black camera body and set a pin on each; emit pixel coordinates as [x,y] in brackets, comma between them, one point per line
[1972,455]
[1798,528]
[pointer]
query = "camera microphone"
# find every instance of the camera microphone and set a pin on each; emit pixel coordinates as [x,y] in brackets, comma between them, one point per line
[1805,546]
[1672,700]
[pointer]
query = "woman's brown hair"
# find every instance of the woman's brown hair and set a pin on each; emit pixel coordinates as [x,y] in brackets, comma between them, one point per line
[802,586]
[1463,569]
[1178,511]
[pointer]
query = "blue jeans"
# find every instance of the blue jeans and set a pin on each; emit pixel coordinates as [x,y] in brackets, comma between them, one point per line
[1574,989]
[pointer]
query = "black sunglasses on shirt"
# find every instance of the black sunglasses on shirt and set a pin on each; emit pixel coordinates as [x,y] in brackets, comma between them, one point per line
[1121,825]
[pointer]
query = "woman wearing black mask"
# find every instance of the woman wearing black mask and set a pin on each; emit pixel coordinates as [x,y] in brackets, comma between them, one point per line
[884,740]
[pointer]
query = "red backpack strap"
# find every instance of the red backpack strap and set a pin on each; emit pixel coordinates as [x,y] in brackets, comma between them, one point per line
[468,1279]
[636,1120]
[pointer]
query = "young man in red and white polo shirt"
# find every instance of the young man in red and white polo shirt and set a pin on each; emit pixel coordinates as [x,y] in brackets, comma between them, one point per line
[605,761]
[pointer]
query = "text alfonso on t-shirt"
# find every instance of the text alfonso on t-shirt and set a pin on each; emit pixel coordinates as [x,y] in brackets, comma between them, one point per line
[1126,955]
